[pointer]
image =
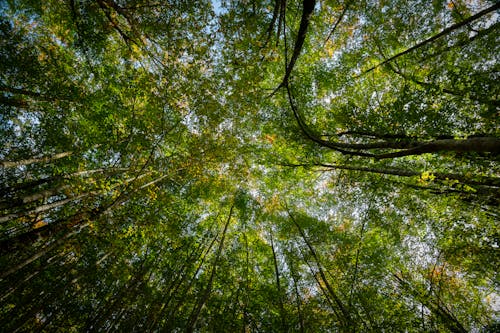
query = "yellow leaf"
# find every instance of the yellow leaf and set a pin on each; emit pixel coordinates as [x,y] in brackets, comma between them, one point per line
[39,224]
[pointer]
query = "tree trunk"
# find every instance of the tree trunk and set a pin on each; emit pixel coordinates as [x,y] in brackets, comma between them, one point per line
[446,317]
[307,10]
[41,208]
[298,298]
[474,144]
[206,294]
[346,317]
[12,164]
[188,287]
[41,252]
[278,287]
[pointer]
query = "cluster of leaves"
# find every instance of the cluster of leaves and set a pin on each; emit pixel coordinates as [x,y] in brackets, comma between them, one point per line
[249,166]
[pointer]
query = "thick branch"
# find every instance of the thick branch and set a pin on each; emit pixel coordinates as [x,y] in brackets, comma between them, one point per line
[376,135]
[408,148]
[482,181]
[474,144]
[307,10]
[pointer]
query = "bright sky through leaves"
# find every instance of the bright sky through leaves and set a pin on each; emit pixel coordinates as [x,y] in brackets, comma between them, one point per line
[249,166]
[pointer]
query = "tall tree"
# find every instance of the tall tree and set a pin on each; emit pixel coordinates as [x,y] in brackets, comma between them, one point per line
[253,166]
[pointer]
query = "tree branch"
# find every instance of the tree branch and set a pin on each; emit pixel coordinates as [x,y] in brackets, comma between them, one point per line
[307,10]
[440,34]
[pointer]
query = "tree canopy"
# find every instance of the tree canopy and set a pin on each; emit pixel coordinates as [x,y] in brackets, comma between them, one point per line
[251,166]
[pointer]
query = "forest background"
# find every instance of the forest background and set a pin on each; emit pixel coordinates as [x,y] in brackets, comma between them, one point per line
[252,166]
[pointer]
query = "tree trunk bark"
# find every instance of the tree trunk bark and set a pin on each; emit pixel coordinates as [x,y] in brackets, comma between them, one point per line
[41,208]
[474,144]
[41,253]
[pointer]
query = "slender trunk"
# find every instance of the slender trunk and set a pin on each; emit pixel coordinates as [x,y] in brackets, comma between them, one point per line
[15,102]
[278,287]
[18,284]
[12,164]
[19,241]
[346,318]
[21,320]
[29,93]
[11,190]
[64,228]
[112,304]
[41,252]
[59,203]
[41,208]
[132,289]
[244,327]
[325,292]
[448,319]
[44,194]
[172,313]
[206,294]
[179,277]
[297,296]
[356,266]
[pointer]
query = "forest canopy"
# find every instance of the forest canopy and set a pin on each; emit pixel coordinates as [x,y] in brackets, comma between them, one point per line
[249,166]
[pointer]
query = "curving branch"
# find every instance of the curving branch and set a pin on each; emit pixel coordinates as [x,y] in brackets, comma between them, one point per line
[481,144]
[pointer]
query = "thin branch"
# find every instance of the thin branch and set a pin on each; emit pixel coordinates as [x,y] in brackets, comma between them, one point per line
[445,90]
[480,181]
[344,11]
[437,36]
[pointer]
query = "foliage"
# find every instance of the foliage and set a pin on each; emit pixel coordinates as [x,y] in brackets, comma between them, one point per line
[295,166]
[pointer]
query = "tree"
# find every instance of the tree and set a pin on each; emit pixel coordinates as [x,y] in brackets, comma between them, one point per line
[270,166]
